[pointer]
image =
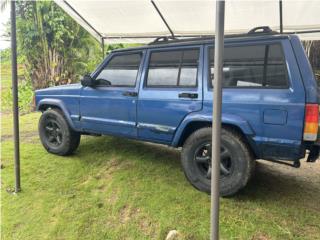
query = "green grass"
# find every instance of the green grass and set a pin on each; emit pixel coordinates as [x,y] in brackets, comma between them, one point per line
[114,188]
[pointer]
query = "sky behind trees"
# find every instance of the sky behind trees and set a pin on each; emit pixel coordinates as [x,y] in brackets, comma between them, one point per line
[4,18]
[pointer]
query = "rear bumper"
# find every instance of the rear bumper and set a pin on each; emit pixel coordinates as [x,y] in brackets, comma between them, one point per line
[314,148]
[314,152]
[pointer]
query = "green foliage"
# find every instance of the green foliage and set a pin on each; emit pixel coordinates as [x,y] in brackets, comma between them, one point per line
[5,55]
[25,90]
[111,47]
[53,48]
[56,49]
[25,93]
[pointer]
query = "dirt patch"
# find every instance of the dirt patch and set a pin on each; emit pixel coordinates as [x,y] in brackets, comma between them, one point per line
[260,236]
[104,178]
[147,227]
[128,213]
[307,174]
[5,112]
[312,230]
[285,183]
[134,214]
[113,197]
[106,172]
[125,214]
[24,137]
[111,167]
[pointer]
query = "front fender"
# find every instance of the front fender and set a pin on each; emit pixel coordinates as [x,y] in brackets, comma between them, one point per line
[207,118]
[59,104]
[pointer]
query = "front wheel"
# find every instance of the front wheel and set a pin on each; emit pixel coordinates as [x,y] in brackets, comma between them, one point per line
[236,161]
[56,135]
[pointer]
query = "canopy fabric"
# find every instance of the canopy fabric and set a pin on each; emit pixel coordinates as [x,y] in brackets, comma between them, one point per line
[142,20]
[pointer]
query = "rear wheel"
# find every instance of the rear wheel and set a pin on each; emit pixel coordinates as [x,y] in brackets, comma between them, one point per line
[56,135]
[236,162]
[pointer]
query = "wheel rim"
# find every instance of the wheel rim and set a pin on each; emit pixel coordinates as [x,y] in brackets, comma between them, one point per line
[53,132]
[202,159]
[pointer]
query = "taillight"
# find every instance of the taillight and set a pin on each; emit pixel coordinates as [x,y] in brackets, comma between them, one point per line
[311,122]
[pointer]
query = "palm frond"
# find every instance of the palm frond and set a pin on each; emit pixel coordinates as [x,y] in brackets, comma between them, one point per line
[3,4]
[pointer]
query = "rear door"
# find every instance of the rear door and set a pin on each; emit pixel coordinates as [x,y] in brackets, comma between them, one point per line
[171,89]
[110,107]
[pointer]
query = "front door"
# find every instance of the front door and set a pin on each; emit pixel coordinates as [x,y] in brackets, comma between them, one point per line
[110,106]
[172,89]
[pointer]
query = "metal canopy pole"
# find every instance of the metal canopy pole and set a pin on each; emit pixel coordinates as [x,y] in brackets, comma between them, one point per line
[216,118]
[162,17]
[280,16]
[15,97]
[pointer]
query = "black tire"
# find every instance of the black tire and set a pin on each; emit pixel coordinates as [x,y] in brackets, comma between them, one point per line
[236,159]
[55,133]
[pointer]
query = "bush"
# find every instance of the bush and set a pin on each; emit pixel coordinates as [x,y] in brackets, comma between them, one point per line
[317,73]
[25,93]
[5,55]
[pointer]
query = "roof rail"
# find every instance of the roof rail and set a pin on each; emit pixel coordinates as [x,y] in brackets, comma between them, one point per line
[263,30]
[163,39]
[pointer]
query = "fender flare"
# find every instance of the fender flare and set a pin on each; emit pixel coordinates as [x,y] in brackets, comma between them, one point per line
[57,103]
[230,119]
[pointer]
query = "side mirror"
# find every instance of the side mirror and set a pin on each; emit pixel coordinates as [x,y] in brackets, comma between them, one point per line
[87,81]
[103,82]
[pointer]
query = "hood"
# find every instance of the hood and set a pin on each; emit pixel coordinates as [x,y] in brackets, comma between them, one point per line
[68,89]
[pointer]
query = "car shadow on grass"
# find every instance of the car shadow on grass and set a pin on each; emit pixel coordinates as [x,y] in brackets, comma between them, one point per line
[271,182]
[274,183]
[108,148]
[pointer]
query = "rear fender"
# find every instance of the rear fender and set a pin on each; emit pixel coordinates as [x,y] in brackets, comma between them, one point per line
[229,119]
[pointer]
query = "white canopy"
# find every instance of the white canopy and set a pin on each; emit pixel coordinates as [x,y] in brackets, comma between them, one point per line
[142,20]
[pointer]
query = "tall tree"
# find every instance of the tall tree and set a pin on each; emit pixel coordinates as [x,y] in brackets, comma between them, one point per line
[55,48]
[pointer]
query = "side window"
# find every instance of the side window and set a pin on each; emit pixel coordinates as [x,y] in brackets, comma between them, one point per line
[173,68]
[121,71]
[253,66]
[276,72]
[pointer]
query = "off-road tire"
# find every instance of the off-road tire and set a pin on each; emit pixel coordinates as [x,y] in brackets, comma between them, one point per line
[242,160]
[70,139]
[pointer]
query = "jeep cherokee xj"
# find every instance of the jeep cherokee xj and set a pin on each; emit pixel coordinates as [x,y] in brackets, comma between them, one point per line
[162,93]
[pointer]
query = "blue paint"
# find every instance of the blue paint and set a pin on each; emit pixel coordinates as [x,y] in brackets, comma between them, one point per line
[275,116]
[271,120]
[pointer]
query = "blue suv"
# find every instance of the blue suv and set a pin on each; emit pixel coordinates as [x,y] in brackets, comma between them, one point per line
[162,93]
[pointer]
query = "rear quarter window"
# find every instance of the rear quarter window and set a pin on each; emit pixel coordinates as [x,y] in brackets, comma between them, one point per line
[254,66]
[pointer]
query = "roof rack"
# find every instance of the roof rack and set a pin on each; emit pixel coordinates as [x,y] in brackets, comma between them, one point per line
[261,30]
[257,31]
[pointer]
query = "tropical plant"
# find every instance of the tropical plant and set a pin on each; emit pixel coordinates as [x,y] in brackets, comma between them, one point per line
[312,49]
[55,49]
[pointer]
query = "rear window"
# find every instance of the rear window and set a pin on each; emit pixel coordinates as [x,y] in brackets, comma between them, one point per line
[253,66]
[173,68]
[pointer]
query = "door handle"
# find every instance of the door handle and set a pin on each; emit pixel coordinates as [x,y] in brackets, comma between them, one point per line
[188,95]
[130,94]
